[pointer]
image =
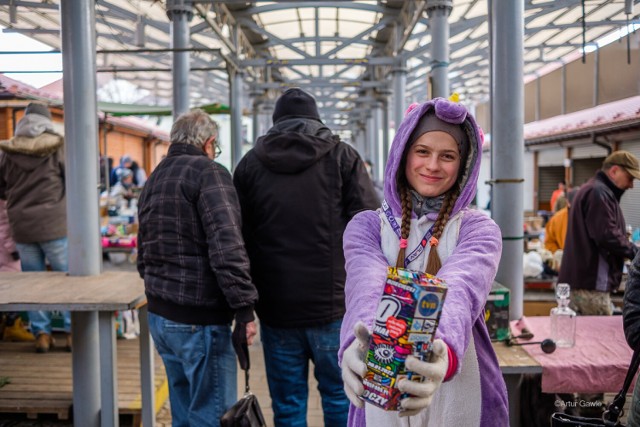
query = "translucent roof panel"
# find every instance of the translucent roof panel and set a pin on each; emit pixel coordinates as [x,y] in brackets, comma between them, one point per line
[344,50]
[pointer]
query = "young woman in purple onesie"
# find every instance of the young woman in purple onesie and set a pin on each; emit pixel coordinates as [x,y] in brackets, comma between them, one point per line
[430,180]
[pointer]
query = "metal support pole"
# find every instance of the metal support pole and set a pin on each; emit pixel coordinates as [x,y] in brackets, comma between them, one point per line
[256,122]
[108,369]
[378,172]
[438,12]
[507,142]
[399,93]
[385,138]
[81,138]
[236,118]
[362,145]
[563,96]
[267,113]
[538,97]
[78,34]
[596,76]
[85,361]
[370,137]
[358,143]
[376,121]
[180,13]
[147,369]
[107,172]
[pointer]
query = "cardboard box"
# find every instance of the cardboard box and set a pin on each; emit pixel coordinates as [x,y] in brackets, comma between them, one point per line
[406,322]
[496,312]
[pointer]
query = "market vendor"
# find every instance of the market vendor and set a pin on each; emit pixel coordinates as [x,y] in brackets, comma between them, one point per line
[122,192]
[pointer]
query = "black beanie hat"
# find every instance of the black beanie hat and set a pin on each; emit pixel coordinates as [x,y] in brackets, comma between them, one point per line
[38,108]
[295,103]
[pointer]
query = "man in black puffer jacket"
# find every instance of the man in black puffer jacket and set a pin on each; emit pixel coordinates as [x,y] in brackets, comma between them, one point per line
[298,189]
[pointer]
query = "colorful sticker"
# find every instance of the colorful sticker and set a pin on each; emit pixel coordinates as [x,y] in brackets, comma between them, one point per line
[406,322]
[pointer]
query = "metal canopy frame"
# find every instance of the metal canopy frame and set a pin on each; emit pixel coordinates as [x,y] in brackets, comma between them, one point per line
[343,51]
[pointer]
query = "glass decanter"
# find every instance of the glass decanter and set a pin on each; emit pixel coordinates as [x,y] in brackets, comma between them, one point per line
[563,319]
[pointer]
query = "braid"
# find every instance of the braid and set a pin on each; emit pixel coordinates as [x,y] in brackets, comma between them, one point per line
[405,228]
[433,262]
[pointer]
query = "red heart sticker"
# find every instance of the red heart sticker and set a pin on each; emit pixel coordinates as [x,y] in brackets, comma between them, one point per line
[396,327]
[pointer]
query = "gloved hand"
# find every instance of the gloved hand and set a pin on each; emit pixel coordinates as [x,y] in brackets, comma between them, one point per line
[241,338]
[353,366]
[433,372]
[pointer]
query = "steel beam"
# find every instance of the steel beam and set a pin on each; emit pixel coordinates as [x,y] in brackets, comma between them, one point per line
[81,187]
[507,142]
[180,13]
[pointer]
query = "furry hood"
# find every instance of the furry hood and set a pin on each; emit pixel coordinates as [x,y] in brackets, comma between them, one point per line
[39,146]
[450,112]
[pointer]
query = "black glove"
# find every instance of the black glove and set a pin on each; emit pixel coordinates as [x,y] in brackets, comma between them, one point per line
[15,255]
[240,345]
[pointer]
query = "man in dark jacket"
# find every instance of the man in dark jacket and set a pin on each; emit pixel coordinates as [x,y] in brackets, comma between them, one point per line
[298,188]
[596,244]
[32,183]
[196,272]
[631,321]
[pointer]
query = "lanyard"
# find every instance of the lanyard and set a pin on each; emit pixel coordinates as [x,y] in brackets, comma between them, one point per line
[394,224]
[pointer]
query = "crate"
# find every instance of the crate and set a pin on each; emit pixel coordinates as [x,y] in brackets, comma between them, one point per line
[496,312]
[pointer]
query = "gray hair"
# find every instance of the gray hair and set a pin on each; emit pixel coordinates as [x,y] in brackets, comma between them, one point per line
[193,128]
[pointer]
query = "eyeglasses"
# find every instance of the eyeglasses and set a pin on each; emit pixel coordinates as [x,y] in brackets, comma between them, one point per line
[217,150]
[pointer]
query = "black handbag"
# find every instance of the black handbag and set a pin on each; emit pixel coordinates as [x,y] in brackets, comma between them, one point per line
[613,412]
[245,412]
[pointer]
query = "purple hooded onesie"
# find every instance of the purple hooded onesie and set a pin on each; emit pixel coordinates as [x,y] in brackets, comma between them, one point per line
[470,249]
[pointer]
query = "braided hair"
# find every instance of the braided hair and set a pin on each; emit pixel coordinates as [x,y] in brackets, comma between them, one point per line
[405,200]
[433,262]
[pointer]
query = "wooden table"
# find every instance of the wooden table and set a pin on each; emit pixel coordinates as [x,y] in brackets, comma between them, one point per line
[84,296]
[514,362]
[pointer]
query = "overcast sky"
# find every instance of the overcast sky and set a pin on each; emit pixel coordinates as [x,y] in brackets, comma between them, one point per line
[42,62]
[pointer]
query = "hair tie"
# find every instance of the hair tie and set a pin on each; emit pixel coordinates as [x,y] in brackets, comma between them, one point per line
[403,243]
[433,241]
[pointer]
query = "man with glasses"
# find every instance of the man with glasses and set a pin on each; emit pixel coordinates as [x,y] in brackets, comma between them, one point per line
[196,272]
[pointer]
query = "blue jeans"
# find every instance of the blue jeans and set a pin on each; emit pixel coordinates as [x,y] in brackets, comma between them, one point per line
[201,369]
[32,258]
[286,355]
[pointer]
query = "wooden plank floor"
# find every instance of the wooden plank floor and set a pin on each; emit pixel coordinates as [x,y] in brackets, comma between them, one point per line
[42,383]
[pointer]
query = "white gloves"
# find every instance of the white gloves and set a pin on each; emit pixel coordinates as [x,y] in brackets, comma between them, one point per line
[353,366]
[354,369]
[433,373]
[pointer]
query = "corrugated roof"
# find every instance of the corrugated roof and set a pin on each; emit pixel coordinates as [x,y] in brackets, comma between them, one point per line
[618,114]
[343,51]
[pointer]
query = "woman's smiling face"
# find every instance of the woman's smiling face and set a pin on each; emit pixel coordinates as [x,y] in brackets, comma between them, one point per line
[433,163]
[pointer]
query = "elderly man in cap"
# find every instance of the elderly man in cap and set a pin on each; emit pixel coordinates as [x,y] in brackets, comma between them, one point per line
[32,183]
[596,244]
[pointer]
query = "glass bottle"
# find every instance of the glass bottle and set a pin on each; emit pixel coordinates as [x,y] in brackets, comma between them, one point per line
[563,319]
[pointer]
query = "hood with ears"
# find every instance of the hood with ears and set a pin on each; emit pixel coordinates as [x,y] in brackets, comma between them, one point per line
[450,112]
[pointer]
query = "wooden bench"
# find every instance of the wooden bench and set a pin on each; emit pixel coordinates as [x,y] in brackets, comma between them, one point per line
[92,301]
